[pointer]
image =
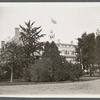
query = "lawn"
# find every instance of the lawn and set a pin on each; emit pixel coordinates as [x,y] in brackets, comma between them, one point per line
[17,82]
[91,87]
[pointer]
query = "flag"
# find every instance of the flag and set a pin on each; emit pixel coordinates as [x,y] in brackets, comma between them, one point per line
[53,21]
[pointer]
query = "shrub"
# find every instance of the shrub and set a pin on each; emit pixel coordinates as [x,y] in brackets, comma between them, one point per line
[72,71]
[59,75]
[41,71]
[75,72]
[27,74]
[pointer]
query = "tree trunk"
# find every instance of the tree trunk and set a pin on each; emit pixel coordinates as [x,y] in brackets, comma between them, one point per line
[11,77]
[91,71]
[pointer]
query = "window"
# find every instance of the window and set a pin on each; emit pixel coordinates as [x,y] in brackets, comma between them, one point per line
[73,52]
[66,52]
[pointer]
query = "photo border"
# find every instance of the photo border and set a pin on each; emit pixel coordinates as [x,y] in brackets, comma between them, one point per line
[45,98]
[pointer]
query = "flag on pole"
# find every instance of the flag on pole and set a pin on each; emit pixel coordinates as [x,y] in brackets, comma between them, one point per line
[53,21]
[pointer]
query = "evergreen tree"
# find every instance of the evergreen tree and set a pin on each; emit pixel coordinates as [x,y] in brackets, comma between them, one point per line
[46,52]
[51,51]
[55,56]
[98,49]
[30,37]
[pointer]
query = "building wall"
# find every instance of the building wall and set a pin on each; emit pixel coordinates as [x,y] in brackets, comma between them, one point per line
[68,51]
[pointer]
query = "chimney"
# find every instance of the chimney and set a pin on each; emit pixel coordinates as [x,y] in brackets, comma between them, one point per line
[71,42]
[17,33]
[2,44]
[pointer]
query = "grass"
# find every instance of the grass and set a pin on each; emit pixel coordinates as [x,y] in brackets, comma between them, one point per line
[87,78]
[16,82]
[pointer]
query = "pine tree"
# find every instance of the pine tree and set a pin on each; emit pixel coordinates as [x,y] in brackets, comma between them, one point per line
[55,56]
[46,52]
[30,37]
[51,51]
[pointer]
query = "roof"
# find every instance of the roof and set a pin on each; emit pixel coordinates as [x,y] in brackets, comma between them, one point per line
[66,44]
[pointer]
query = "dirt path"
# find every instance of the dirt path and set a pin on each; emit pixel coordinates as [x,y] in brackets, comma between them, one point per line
[87,87]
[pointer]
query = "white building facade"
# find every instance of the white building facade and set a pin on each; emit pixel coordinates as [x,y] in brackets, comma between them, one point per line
[68,51]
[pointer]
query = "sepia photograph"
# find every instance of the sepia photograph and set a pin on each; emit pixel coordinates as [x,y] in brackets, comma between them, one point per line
[50,49]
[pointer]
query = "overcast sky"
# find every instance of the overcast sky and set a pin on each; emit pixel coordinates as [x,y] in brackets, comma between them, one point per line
[73,19]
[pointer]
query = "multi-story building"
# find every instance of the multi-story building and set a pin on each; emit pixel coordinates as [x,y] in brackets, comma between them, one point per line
[66,50]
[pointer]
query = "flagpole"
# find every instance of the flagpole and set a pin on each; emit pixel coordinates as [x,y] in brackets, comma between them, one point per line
[52,35]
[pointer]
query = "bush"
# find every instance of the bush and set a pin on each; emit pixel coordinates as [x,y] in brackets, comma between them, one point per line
[75,72]
[27,74]
[59,75]
[41,71]
[72,71]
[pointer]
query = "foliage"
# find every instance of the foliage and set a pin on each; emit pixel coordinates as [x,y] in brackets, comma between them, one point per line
[71,71]
[1,73]
[49,68]
[86,50]
[12,59]
[51,51]
[98,49]
[30,37]
[40,71]
[20,60]
[46,51]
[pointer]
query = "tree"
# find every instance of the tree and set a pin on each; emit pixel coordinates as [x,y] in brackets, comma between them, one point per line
[98,49]
[81,50]
[46,51]
[86,50]
[57,62]
[51,51]
[12,58]
[71,71]
[30,37]
[52,67]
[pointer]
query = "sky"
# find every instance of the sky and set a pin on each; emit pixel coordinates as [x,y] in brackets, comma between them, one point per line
[73,19]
